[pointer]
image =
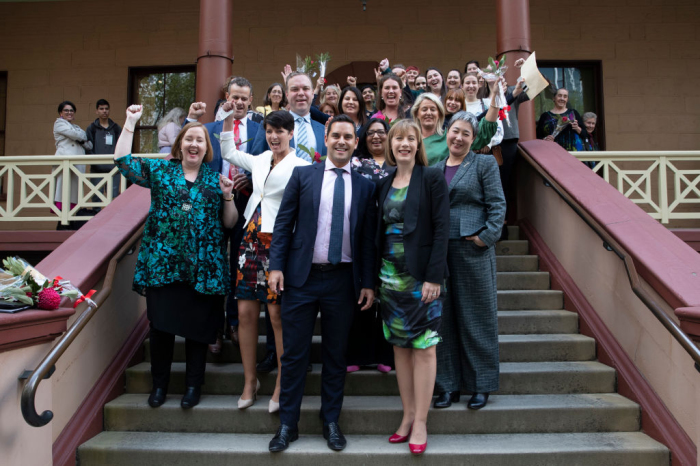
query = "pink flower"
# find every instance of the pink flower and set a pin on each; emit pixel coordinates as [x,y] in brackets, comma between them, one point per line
[317,157]
[564,119]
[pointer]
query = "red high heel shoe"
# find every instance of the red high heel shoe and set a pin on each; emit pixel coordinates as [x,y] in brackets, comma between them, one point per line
[396,438]
[417,449]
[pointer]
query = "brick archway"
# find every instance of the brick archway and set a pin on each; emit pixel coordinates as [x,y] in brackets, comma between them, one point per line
[362,70]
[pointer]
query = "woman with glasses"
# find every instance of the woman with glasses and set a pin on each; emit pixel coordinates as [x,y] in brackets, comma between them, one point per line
[70,140]
[366,343]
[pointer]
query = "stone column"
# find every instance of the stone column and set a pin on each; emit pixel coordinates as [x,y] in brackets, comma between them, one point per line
[215,54]
[513,29]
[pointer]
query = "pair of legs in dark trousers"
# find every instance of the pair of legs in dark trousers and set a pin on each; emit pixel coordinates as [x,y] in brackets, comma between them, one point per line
[162,346]
[509,149]
[333,293]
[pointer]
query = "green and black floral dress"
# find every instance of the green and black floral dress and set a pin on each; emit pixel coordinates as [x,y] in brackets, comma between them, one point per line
[182,266]
[408,322]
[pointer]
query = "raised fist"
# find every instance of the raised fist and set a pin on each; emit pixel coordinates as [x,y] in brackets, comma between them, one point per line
[352,81]
[197,109]
[133,114]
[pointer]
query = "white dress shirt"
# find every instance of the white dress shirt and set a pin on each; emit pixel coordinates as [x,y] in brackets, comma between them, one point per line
[243,134]
[325,212]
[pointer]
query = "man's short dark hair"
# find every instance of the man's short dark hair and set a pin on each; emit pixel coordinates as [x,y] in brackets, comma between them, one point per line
[342,118]
[279,119]
[100,103]
[239,81]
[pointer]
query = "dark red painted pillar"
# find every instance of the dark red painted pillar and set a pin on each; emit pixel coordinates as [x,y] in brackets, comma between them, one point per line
[513,27]
[215,54]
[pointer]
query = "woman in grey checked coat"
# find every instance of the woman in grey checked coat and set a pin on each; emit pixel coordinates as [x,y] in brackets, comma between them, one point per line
[468,354]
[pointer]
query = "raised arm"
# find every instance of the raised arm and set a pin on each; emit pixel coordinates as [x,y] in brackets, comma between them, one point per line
[228,145]
[126,138]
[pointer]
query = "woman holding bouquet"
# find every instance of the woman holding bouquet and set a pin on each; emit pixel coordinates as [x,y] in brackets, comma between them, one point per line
[562,124]
[182,266]
[271,171]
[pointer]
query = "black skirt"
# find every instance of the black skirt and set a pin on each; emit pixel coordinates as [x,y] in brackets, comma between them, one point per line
[180,310]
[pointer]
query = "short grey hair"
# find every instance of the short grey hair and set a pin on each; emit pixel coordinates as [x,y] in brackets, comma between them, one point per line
[441,109]
[468,117]
[589,116]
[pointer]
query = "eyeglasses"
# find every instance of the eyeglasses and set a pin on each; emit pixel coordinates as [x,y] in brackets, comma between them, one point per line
[380,133]
[68,110]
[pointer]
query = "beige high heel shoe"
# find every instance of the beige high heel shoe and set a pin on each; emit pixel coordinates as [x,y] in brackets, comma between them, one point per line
[273,406]
[243,404]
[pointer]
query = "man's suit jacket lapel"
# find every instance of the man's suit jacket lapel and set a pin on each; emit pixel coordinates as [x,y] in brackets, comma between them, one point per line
[464,167]
[410,215]
[317,184]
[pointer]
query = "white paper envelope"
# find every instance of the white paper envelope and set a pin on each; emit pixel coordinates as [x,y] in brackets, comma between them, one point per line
[536,83]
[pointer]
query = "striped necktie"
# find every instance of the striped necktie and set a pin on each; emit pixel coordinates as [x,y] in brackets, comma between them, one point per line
[302,138]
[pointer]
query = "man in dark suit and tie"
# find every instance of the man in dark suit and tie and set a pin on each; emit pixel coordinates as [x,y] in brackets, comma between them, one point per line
[322,256]
[308,132]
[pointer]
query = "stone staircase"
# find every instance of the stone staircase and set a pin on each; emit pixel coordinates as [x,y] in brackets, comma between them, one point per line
[557,404]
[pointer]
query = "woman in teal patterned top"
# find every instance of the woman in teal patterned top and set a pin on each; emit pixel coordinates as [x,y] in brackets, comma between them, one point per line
[412,237]
[182,267]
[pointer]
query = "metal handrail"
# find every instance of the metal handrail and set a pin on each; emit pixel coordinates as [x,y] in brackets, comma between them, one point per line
[29,391]
[612,245]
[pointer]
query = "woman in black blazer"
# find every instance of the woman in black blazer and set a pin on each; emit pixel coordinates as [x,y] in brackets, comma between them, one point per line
[412,237]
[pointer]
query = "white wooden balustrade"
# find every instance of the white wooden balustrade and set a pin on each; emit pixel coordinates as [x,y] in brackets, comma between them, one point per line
[29,184]
[666,184]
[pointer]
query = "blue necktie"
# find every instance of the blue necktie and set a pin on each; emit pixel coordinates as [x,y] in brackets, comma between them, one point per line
[302,138]
[335,244]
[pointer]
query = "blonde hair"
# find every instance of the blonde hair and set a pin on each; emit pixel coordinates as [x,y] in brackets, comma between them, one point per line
[401,128]
[441,109]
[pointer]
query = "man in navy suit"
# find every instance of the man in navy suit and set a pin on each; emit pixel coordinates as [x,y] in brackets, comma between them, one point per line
[240,92]
[322,256]
[306,131]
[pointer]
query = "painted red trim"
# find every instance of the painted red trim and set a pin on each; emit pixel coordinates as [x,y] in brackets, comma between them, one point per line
[657,420]
[32,327]
[691,236]
[82,258]
[664,261]
[32,240]
[87,421]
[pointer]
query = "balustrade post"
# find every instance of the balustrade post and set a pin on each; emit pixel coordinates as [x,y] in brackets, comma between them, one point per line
[663,190]
[65,192]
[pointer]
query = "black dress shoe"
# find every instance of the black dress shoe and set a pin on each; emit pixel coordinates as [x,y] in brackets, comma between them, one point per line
[445,399]
[284,436]
[478,400]
[268,364]
[191,397]
[336,439]
[157,397]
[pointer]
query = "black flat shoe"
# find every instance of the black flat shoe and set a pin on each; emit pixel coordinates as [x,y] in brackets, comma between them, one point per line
[284,436]
[268,364]
[478,400]
[336,439]
[191,397]
[445,399]
[157,397]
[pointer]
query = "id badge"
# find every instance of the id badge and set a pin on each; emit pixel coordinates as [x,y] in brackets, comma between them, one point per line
[109,139]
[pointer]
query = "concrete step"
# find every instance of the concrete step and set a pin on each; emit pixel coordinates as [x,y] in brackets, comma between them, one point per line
[522,263]
[378,415]
[522,280]
[540,322]
[512,247]
[179,449]
[530,299]
[516,378]
[514,233]
[513,348]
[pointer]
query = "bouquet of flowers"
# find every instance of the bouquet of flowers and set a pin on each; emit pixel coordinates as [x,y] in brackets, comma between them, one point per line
[20,282]
[322,60]
[562,122]
[307,65]
[493,72]
[314,156]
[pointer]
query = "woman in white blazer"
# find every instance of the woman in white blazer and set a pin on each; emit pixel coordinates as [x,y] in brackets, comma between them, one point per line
[70,140]
[271,171]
